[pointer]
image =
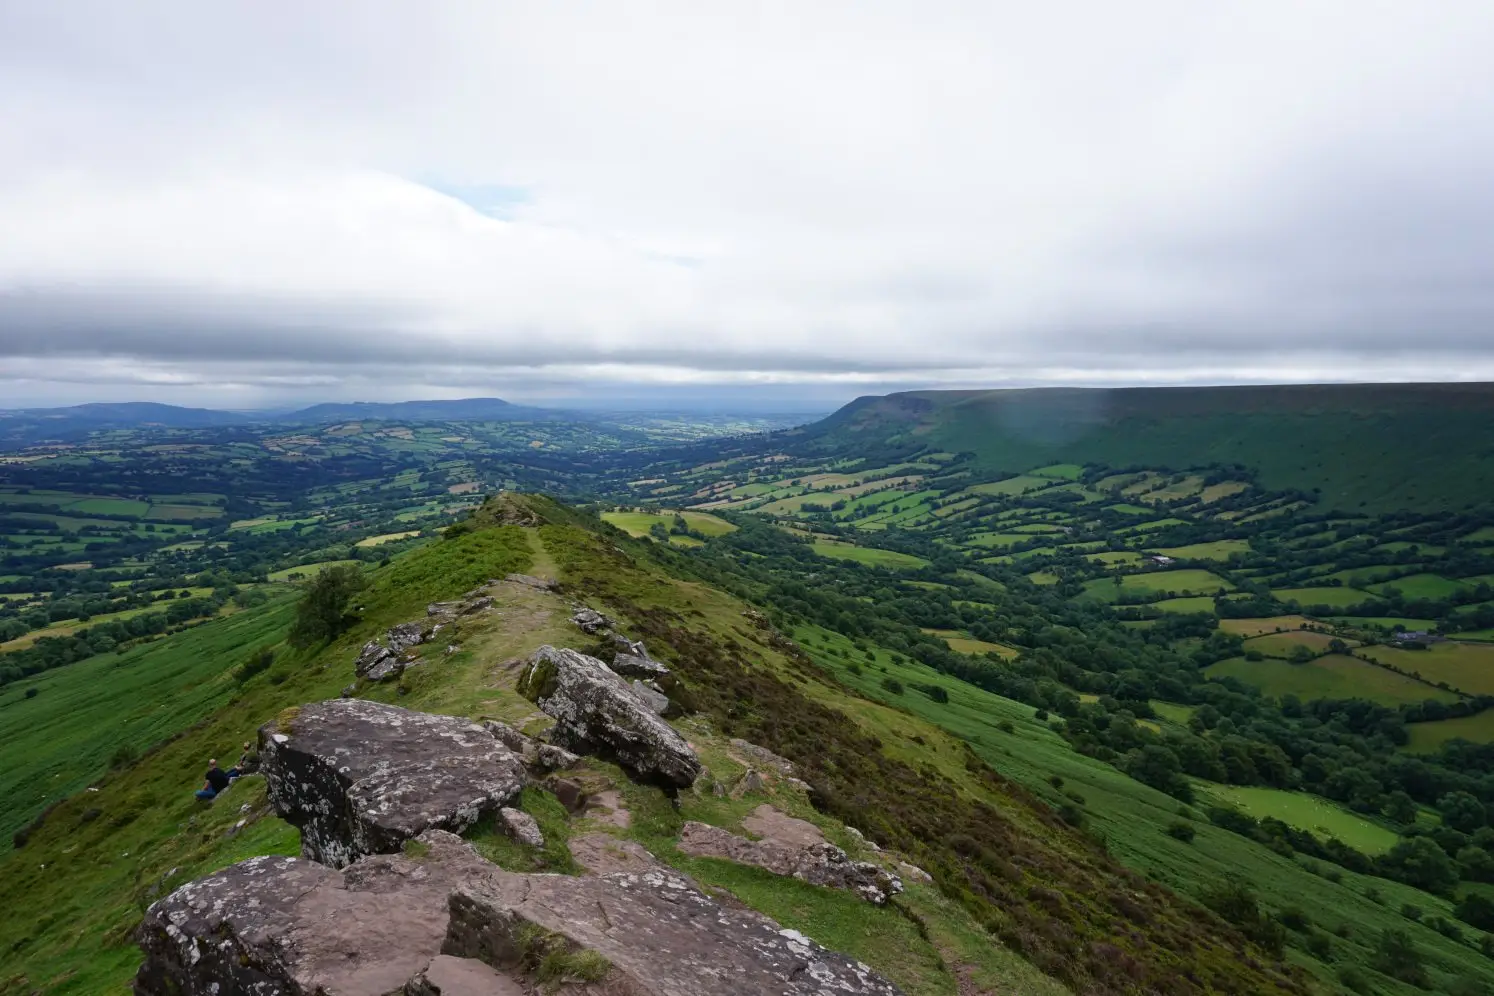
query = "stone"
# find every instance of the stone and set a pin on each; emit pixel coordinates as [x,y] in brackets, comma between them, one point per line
[570,793]
[820,863]
[657,701]
[660,934]
[520,826]
[603,854]
[590,620]
[509,737]
[387,670]
[281,925]
[437,920]
[374,654]
[361,777]
[448,976]
[762,757]
[530,581]
[638,666]
[552,758]
[406,635]
[752,781]
[914,872]
[447,610]
[596,712]
[477,605]
[348,691]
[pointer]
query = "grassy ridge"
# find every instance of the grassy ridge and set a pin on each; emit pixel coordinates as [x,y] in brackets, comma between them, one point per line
[1370,446]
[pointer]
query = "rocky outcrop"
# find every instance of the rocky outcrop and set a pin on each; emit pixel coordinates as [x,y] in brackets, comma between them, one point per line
[291,926]
[590,620]
[596,712]
[539,758]
[818,863]
[651,695]
[362,778]
[439,920]
[659,934]
[530,581]
[631,665]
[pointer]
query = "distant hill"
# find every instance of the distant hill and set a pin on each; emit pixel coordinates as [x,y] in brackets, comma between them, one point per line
[128,413]
[1371,447]
[469,409]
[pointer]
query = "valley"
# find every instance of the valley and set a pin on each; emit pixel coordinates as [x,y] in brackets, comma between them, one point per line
[1203,671]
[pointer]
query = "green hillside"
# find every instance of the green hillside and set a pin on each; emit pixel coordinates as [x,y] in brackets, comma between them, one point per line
[1370,447]
[1020,901]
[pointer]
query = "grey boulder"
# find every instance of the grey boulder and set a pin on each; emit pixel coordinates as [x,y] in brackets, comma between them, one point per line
[597,712]
[638,666]
[361,777]
[819,863]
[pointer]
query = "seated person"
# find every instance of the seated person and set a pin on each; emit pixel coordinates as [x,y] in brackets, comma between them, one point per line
[248,761]
[217,780]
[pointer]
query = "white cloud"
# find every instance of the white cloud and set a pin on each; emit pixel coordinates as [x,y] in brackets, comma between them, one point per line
[246,198]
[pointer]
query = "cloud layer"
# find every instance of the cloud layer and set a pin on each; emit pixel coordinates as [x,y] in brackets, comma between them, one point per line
[247,203]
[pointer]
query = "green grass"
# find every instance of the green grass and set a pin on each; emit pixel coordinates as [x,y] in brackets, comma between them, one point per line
[1220,550]
[1062,471]
[1172,712]
[639,523]
[1282,644]
[1427,737]
[110,506]
[1013,485]
[1415,586]
[1182,582]
[1331,677]
[1334,598]
[1313,813]
[868,556]
[309,571]
[1468,667]
[55,743]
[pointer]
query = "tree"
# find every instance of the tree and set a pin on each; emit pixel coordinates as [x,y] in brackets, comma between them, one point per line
[1462,811]
[1396,956]
[1420,862]
[1400,807]
[322,613]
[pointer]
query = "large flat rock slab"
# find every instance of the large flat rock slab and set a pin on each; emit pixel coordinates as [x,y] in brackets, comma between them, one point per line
[361,778]
[597,712]
[662,936]
[440,919]
[292,927]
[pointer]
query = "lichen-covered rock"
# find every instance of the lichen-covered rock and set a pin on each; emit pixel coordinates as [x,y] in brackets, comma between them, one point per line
[414,923]
[819,863]
[521,827]
[373,655]
[550,758]
[660,935]
[596,712]
[762,757]
[406,635]
[631,665]
[292,927]
[649,695]
[590,620]
[361,777]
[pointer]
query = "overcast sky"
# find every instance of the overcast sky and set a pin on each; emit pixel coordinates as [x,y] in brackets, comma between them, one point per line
[272,202]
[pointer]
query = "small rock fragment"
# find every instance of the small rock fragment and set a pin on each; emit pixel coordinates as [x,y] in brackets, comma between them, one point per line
[520,826]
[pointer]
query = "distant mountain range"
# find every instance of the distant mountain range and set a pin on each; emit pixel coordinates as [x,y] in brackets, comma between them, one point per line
[23,426]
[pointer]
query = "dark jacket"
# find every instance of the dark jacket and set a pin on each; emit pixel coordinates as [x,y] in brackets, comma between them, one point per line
[218,779]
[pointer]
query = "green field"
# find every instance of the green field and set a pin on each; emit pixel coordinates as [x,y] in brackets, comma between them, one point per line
[1468,667]
[53,744]
[963,643]
[1179,583]
[1305,812]
[1220,550]
[1334,598]
[308,571]
[1332,677]
[868,556]
[1421,586]
[1062,471]
[1427,737]
[1282,644]
[1013,485]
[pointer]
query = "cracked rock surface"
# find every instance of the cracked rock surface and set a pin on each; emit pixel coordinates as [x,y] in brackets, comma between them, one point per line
[440,919]
[362,778]
[598,712]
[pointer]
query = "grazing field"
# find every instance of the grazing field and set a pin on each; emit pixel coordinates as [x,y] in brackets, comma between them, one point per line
[963,643]
[1255,627]
[1332,677]
[1421,586]
[1282,644]
[1172,712]
[868,556]
[1063,471]
[1334,598]
[1013,485]
[1305,812]
[308,571]
[1427,737]
[1220,550]
[1000,540]
[1184,582]
[1189,605]
[638,523]
[1468,667]
[387,538]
